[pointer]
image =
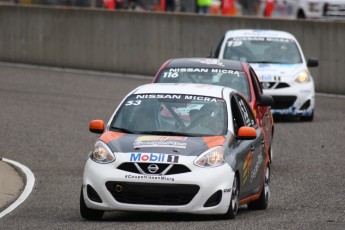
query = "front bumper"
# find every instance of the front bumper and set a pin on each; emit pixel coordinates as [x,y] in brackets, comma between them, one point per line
[185,192]
[296,100]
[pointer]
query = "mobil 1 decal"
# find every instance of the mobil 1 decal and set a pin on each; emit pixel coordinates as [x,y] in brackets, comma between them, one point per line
[153,157]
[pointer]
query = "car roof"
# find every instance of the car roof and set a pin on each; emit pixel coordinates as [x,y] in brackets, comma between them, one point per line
[259,33]
[205,63]
[184,88]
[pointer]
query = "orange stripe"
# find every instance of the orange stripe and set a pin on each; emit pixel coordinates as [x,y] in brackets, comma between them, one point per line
[213,141]
[110,136]
[251,198]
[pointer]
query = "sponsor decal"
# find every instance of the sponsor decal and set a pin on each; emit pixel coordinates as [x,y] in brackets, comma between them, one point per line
[153,157]
[227,190]
[292,111]
[158,96]
[247,166]
[237,41]
[266,78]
[254,112]
[147,157]
[148,177]
[161,138]
[171,96]
[212,62]
[160,142]
[173,158]
[256,169]
[186,70]
[174,72]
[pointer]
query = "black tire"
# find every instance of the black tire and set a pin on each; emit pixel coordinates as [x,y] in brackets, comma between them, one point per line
[270,154]
[262,202]
[87,213]
[234,202]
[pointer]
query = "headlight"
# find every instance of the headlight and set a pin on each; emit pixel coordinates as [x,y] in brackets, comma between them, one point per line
[102,154]
[303,77]
[211,158]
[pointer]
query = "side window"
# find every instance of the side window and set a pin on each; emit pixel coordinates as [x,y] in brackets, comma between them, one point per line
[236,115]
[216,53]
[256,83]
[246,112]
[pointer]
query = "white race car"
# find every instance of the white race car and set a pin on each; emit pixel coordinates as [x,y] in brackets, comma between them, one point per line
[186,148]
[278,60]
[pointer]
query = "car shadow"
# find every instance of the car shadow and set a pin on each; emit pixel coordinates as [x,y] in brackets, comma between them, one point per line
[120,216]
[285,119]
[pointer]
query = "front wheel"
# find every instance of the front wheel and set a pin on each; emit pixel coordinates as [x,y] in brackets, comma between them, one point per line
[234,202]
[87,213]
[262,202]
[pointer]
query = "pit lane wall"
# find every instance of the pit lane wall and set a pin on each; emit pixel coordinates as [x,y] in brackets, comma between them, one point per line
[139,42]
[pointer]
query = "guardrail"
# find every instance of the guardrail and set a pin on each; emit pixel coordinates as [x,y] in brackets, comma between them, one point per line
[139,42]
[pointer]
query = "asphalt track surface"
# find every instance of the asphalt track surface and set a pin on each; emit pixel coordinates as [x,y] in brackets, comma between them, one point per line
[44,117]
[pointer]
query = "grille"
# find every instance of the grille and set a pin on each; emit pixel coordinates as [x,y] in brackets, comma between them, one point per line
[151,193]
[283,102]
[282,85]
[134,168]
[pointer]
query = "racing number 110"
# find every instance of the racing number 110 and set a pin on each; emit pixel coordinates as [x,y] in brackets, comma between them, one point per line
[170,75]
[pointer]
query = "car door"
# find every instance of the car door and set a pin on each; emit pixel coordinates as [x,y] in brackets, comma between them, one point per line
[251,156]
[264,112]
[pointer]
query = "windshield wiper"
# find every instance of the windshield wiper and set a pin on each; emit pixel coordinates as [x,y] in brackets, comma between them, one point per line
[269,62]
[168,133]
[123,130]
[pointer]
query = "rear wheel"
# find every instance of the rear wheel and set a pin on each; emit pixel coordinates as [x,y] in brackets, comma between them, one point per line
[262,202]
[234,202]
[88,213]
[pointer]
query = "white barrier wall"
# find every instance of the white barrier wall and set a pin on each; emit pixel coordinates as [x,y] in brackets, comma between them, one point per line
[139,42]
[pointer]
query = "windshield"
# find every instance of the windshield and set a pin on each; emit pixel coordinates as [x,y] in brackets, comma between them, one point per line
[225,77]
[166,114]
[262,50]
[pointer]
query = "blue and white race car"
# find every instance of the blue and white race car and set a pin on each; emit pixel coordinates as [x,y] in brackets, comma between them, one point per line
[278,60]
[184,148]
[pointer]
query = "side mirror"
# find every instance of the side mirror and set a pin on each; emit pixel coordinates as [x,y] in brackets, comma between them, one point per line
[246,133]
[312,62]
[265,100]
[96,126]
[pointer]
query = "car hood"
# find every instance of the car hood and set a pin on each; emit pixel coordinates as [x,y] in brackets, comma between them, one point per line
[180,145]
[284,72]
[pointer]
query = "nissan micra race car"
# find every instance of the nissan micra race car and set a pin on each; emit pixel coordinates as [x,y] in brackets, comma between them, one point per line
[278,60]
[183,148]
[230,73]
